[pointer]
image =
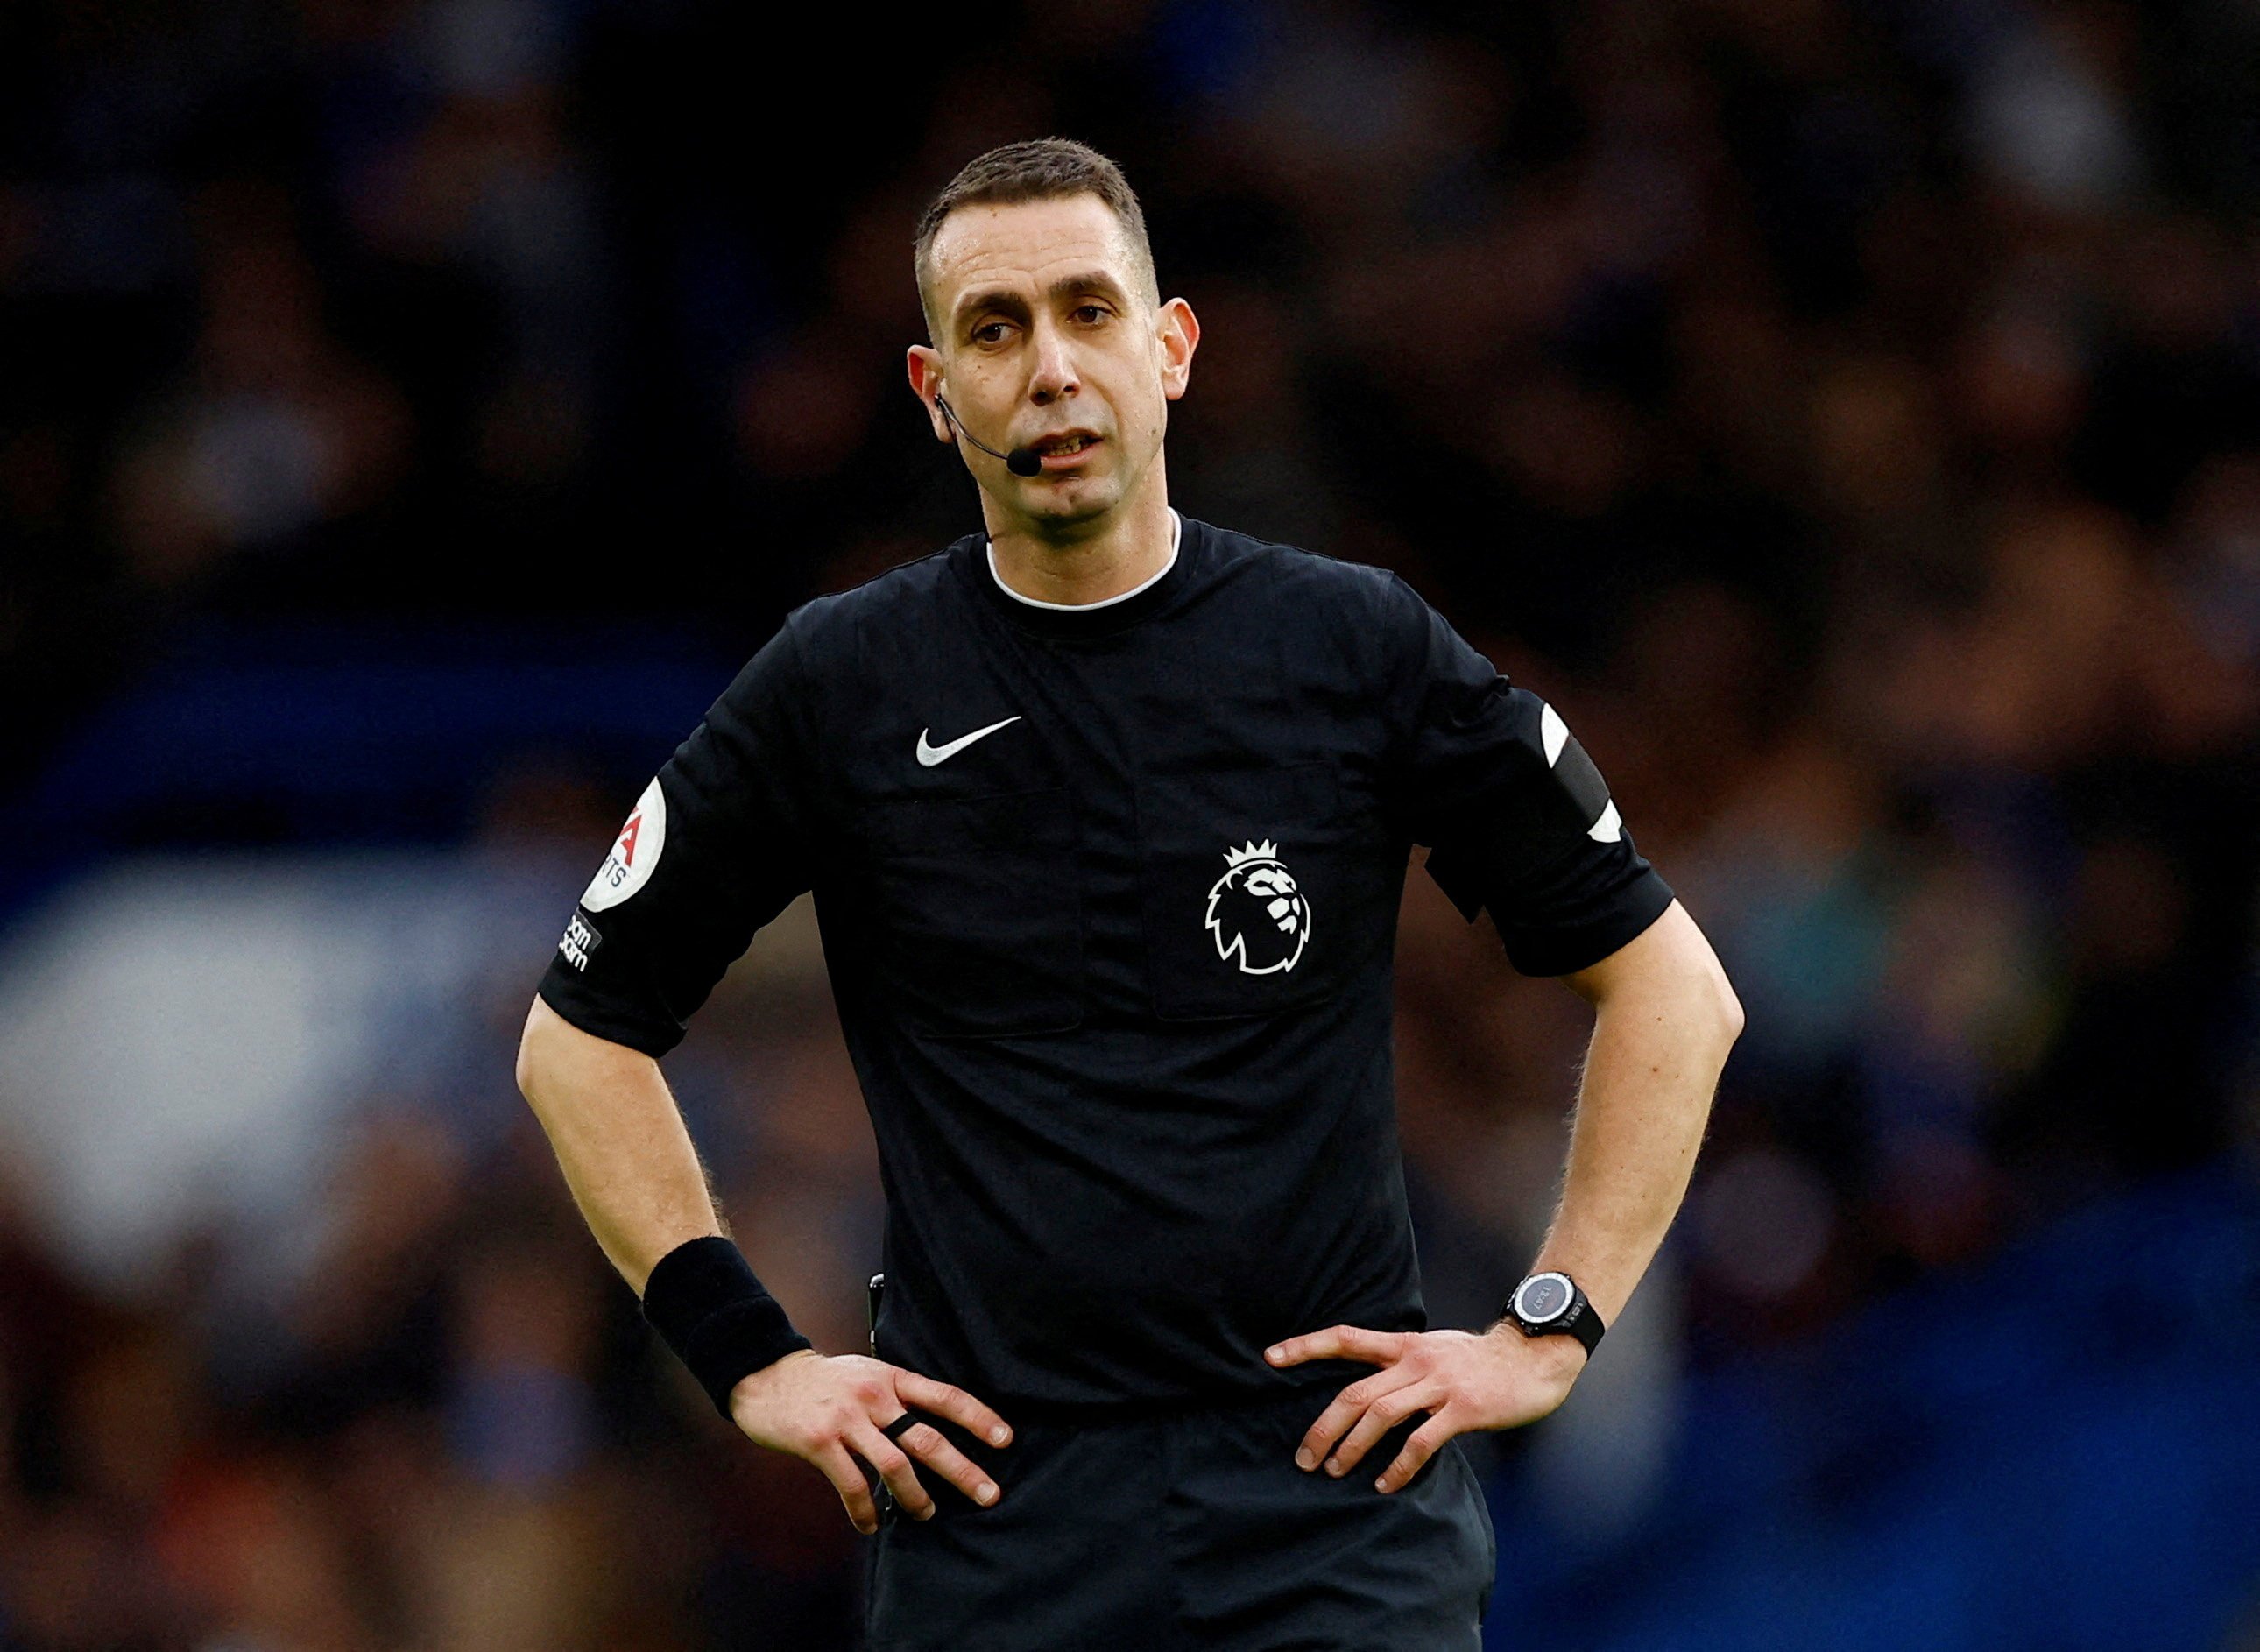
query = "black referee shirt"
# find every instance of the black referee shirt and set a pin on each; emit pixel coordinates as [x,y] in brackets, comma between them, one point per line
[1109,898]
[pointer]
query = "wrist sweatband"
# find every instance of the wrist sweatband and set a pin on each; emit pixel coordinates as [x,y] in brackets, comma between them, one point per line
[704,1300]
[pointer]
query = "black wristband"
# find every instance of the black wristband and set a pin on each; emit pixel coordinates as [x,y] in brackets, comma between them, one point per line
[704,1300]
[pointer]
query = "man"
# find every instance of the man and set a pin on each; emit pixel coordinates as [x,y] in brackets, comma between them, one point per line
[1107,814]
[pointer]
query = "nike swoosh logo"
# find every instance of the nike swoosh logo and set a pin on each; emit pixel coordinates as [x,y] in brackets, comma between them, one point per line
[929,756]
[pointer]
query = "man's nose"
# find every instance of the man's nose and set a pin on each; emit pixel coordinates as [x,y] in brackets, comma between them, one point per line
[1054,372]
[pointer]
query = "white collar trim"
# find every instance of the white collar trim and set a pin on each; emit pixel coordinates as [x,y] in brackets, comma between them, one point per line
[1176,532]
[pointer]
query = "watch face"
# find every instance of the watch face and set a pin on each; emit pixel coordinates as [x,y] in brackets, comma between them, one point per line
[1542,1297]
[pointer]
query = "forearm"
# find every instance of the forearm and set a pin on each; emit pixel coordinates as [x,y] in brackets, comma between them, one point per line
[620,1139]
[1642,1105]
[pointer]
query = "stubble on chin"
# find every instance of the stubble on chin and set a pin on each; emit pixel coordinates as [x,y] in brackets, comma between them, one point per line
[1054,510]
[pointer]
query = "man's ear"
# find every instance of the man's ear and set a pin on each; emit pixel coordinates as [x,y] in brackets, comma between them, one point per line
[925,366]
[1180,336]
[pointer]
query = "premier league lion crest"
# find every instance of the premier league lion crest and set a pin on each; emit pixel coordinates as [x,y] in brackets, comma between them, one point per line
[1257,911]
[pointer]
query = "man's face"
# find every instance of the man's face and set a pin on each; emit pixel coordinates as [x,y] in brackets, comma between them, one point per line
[1047,336]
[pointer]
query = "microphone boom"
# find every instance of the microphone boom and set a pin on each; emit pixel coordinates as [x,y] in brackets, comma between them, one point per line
[1021,461]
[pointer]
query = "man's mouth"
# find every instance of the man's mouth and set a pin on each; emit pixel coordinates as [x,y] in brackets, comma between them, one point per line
[1062,452]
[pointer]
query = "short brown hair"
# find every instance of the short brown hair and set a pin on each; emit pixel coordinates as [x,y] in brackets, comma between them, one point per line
[1036,169]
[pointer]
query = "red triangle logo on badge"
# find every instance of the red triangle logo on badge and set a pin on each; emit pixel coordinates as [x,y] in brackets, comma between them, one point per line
[628,838]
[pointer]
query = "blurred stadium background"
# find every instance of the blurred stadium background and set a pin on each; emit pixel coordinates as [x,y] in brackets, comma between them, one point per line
[412,411]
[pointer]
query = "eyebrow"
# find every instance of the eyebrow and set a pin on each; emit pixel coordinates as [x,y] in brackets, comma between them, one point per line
[1009,300]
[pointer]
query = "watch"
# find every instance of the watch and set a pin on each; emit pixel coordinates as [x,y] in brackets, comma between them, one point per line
[1551,1305]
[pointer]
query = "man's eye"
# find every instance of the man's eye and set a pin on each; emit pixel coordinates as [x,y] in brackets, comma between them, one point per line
[989,333]
[1091,312]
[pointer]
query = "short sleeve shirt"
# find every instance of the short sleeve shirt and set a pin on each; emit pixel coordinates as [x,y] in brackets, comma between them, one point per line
[1109,899]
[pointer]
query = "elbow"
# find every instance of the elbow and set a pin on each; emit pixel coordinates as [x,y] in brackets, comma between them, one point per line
[1725,1005]
[1731,1020]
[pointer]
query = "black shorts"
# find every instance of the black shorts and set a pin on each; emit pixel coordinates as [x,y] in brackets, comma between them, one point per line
[1190,1531]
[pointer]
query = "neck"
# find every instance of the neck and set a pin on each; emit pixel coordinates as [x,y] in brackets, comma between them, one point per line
[1116,554]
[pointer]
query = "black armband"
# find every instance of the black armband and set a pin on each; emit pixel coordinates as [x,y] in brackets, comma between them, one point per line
[704,1300]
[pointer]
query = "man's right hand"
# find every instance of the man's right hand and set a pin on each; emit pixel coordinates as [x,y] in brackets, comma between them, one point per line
[829,1409]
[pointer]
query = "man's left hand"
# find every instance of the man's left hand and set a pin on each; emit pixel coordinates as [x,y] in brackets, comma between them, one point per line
[1501,1379]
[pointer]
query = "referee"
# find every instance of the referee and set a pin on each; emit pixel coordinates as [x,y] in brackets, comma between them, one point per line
[1107,812]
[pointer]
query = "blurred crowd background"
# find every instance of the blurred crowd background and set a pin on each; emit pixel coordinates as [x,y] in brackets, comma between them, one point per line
[412,411]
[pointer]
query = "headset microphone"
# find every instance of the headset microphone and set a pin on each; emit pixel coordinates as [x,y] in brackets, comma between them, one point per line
[1021,461]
